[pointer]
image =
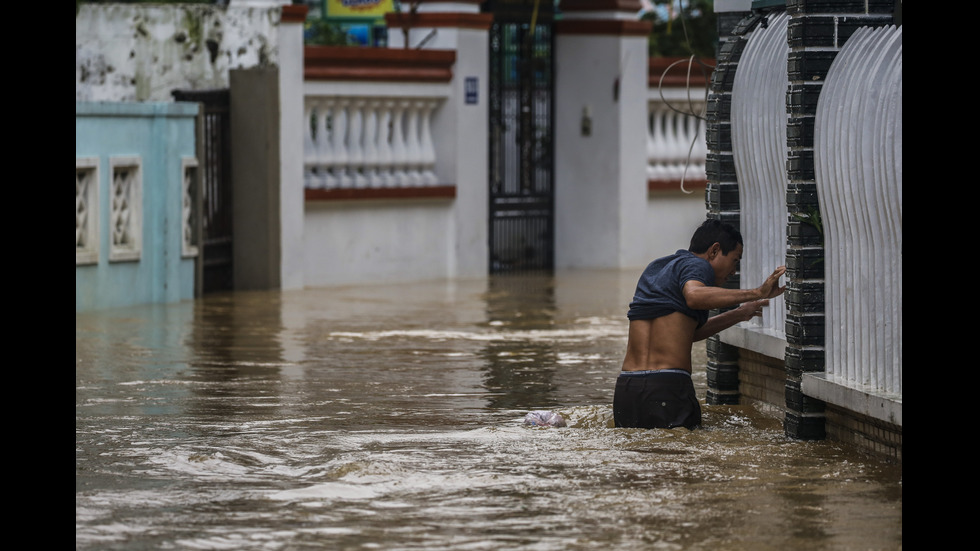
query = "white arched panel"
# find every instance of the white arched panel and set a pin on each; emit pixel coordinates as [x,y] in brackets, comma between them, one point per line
[759,148]
[858,156]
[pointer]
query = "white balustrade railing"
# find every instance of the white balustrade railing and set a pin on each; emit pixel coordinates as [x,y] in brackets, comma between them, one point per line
[369,141]
[676,148]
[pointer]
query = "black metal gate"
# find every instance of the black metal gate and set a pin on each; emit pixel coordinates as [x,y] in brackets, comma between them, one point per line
[216,187]
[521,87]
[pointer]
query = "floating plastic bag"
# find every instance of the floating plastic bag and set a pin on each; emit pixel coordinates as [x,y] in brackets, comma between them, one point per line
[544,419]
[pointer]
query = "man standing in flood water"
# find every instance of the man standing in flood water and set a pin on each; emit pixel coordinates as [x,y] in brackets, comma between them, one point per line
[669,313]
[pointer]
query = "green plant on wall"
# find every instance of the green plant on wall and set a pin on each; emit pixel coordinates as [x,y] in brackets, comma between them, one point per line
[319,32]
[810,217]
[689,28]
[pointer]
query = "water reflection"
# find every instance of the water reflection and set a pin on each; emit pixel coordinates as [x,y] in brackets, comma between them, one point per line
[519,372]
[235,355]
[389,417]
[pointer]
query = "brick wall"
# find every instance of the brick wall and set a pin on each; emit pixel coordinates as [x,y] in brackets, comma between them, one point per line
[762,378]
[878,437]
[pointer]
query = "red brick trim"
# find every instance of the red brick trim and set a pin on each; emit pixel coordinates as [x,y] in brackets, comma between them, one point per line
[614,27]
[478,21]
[426,192]
[474,2]
[677,76]
[675,185]
[294,13]
[377,64]
[632,6]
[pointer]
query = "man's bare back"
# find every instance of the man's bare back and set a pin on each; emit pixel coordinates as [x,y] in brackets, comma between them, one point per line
[660,343]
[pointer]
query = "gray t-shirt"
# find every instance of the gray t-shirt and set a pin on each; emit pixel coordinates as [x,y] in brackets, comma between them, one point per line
[660,289]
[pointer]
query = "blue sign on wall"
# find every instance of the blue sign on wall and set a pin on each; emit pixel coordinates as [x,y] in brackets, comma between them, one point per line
[472,97]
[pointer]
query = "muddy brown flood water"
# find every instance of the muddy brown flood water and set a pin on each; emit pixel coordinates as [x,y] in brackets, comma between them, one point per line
[389,417]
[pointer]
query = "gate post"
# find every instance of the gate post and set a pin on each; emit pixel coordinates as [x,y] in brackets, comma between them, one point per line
[600,133]
[459,128]
[267,165]
[291,261]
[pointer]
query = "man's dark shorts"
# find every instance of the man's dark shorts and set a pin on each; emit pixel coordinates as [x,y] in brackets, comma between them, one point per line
[656,399]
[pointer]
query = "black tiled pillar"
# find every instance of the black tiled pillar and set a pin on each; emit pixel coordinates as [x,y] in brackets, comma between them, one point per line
[817,30]
[721,195]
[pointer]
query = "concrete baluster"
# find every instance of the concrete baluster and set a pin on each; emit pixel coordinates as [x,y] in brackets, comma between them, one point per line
[658,144]
[674,136]
[699,152]
[324,142]
[398,151]
[355,149]
[370,149]
[413,148]
[651,150]
[340,143]
[429,177]
[310,178]
[385,155]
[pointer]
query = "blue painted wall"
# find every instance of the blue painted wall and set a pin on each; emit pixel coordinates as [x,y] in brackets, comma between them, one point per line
[161,135]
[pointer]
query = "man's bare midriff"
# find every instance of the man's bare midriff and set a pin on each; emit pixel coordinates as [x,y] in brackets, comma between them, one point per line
[660,343]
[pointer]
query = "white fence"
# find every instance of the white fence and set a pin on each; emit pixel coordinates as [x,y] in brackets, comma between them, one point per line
[759,147]
[858,169]
[858,157]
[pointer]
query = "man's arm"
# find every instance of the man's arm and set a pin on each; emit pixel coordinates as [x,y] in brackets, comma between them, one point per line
[719,323]
[704,297]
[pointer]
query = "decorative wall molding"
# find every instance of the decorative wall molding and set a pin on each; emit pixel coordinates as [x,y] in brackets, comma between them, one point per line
[189,207]
[613,27]
[341,194]
[86,210]
[294,13]
[369,141]
[477,21]
[125,209]
[377,64]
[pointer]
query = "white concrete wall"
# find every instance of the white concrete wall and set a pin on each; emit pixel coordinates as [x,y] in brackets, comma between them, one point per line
[466,156]
[348,241]
[292,264]
[633,93]
[378,241]
[605,216]
[587,172]
[141,52]
[669,221]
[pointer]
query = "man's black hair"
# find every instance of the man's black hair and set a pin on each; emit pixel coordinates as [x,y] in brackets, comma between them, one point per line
[715,231]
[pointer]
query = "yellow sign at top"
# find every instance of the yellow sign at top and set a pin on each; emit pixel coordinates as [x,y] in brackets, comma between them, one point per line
[359,8]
